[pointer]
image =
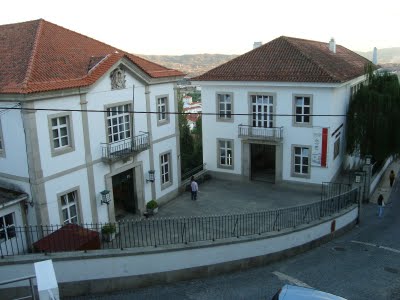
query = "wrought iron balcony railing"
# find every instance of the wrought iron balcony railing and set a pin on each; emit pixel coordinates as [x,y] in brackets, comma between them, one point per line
[119,150]
[269,133]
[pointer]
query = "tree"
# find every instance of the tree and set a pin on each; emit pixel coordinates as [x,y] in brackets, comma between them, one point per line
[186,140]
[373,118]
[198,143]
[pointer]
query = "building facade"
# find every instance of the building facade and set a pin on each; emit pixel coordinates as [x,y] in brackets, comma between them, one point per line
[85,128]
[278,112]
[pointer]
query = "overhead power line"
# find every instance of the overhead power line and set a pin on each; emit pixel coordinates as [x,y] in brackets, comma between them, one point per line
[169,113]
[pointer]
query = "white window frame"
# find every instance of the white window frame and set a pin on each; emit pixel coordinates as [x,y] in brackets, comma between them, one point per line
[225,153]
[165,169]
[162,103]
[4,229]
[118,122]
[225,100]
[262,108]
[73,192]
[61,149]
[300,163]
[299,118]
[2,147]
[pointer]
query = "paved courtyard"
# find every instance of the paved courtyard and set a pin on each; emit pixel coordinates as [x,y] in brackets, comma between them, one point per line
[221,197]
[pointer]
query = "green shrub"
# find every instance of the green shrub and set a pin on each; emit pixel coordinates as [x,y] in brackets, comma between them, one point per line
[152,204]
[108,228]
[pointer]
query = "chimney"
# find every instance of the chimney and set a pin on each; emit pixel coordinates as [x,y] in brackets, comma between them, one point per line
[332,45]
[375,56]
[257,44]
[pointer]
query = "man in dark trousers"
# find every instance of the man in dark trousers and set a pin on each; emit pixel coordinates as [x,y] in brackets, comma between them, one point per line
[381,205]
[194,188]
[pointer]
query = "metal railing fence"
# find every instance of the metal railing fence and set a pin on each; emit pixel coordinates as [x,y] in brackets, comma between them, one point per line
[117,150]
[274,133]
[193,171]
[32,289]
[172,231]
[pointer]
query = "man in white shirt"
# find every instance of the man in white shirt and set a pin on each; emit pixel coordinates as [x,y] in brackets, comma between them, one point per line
[194,188]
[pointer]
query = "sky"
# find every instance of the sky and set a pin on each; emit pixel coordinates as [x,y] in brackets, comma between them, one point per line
[177,27]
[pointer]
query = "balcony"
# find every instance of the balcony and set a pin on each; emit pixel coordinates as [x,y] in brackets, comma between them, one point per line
[260,133]
[123,149]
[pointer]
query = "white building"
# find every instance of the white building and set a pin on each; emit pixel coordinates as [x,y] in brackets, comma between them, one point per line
[70,134]
[279,111]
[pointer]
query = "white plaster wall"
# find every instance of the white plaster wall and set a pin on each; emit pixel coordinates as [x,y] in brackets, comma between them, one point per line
[158,148]
[99,171]
[15,160]
[101,95]
[114,266]
[62,184]
[326,100]
[52,165]
[168,128]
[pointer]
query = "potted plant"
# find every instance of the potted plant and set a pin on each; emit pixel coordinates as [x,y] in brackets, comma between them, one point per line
[108,232]
[152,207]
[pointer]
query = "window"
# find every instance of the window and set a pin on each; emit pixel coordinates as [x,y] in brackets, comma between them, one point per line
[118,123]
[61,133]
[302,110]
[336,148]
[59,128]
[162,110]
[7,227]
[262,110]
[301,161]
[224,102]
[69,208]
[165,166]
[225,154]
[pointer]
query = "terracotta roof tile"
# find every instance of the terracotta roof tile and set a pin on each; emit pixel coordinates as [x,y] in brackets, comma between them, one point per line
[287,59]
[40,56]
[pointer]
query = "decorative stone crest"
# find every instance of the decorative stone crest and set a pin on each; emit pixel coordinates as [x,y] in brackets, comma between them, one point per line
[117,79]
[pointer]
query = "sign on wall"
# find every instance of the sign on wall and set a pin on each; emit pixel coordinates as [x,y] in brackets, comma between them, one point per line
[319,147]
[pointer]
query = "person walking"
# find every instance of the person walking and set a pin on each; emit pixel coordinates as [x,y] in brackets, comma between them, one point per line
[392,176]
[194,188]
[381,205]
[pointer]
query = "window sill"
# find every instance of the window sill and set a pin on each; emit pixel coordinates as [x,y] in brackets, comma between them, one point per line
[57,152]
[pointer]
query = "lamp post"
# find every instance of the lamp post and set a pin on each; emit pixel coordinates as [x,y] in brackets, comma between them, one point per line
[105,197]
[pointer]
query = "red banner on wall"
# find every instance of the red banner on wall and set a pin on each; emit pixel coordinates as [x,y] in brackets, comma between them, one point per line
[324,146]
[319,147]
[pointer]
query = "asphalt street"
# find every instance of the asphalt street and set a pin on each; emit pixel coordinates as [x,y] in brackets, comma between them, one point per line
[362,264]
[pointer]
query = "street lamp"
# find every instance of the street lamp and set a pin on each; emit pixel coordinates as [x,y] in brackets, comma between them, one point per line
[105,197]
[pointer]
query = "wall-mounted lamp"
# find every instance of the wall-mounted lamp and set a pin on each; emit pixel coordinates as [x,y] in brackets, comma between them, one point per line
[150,176]
[358,178]
[368,159]
[105,197]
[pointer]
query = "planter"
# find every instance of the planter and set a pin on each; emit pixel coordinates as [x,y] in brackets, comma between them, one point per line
[108,237]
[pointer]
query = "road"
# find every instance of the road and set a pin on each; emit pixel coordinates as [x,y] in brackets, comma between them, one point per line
[362,264]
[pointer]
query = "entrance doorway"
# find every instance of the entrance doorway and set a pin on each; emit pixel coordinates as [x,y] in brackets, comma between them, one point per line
[124,194]
[263,162]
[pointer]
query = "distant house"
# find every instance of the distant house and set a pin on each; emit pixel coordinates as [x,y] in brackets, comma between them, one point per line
[69,137]
[279,111]
[187,100]
[192,112]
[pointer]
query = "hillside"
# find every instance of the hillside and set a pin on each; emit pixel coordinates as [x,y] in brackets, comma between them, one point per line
[192,65]
[196,64]
[385,56]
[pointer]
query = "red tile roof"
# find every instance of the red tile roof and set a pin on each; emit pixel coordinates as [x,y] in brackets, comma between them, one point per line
[192,117]
[40,56]
[287,59]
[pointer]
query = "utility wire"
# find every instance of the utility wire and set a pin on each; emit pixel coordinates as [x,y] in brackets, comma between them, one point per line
[168,113]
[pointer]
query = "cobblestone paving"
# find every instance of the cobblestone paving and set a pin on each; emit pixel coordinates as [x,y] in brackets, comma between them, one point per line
[363,264]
